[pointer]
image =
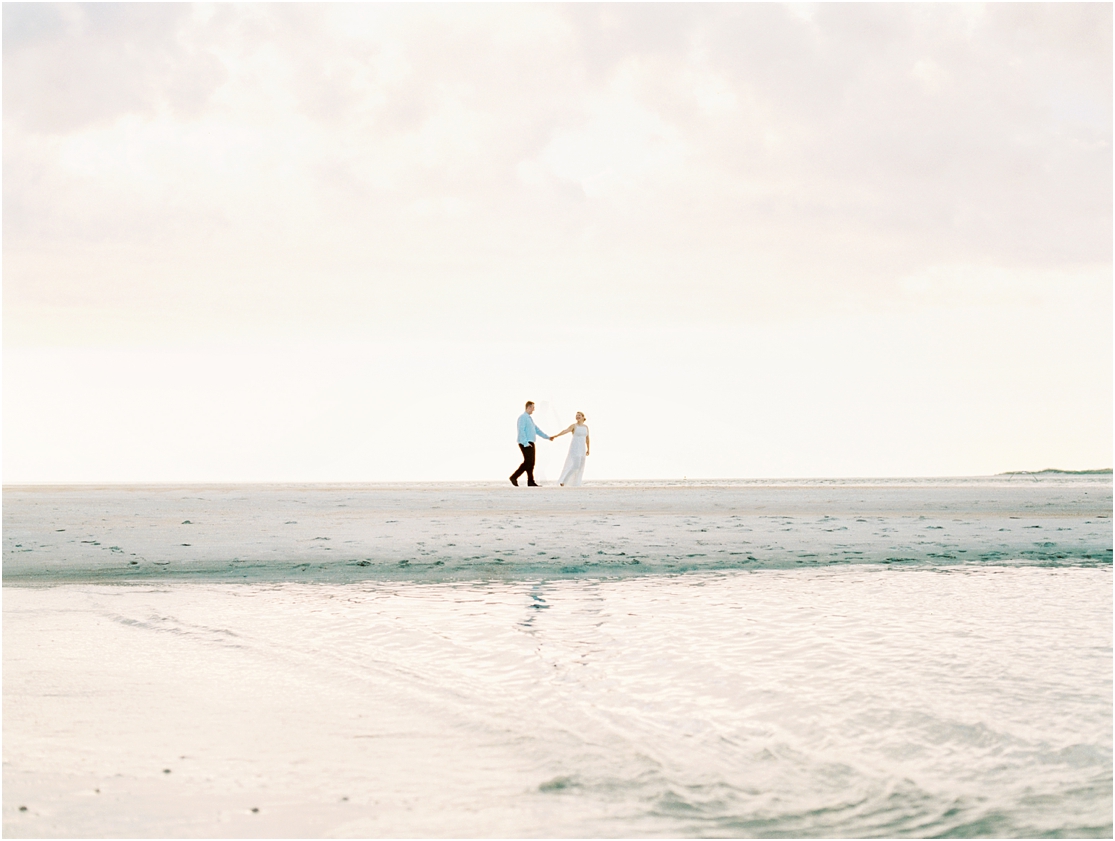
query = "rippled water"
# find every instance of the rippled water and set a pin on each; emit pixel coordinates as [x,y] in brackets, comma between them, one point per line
[857,701]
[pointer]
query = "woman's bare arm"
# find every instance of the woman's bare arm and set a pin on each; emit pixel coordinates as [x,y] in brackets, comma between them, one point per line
[567,429]
[588,444]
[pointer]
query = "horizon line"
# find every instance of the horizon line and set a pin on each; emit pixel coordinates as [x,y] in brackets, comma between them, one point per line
[385,482]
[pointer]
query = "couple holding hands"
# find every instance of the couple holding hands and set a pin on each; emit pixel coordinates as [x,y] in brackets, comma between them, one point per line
[574,469]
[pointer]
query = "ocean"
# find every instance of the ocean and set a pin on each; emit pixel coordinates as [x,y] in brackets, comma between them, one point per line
[860,658]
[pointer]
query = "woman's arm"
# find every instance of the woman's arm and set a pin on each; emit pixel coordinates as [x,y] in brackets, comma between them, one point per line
[588,444]
[567,429]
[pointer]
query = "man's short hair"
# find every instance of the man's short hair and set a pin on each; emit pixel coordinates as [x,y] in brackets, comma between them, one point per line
[528,404]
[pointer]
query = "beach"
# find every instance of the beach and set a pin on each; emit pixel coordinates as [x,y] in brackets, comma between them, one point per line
[866,658]
[462,531]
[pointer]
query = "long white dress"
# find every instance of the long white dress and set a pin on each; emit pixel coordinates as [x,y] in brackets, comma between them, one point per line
[574,469]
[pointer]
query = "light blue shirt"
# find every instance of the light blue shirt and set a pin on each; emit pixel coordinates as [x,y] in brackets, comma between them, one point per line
[527,430]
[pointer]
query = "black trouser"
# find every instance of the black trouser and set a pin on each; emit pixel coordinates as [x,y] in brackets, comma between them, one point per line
[527,466]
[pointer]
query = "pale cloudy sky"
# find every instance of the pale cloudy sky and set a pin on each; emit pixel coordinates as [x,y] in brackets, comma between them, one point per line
[346,242]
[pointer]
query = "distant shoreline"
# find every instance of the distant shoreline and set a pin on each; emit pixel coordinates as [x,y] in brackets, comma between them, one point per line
[1052,470]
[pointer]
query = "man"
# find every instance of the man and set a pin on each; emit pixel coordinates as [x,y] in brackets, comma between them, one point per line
[527,433]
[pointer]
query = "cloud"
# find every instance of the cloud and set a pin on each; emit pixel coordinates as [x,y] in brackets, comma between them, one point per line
[68,67]
[389,163]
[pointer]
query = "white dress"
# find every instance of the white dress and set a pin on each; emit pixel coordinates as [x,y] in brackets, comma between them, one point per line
[574,469]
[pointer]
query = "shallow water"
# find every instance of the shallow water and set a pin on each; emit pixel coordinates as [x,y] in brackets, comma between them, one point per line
[932,697]
[858,701]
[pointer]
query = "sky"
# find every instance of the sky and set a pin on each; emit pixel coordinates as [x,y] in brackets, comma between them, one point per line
[317,242]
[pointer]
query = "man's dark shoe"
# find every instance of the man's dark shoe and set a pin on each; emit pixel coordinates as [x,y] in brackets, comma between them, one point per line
[513,482]
[533,485]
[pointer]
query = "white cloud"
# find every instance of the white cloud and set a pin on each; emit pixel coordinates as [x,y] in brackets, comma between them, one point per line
[621,145]
[930,75]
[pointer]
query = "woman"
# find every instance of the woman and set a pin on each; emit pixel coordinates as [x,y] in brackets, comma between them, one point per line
[574,469]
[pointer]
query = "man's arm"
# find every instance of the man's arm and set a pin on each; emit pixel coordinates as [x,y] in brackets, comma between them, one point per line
[539,431]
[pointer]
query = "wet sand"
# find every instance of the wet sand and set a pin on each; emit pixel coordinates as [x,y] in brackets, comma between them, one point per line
[462,532]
